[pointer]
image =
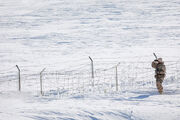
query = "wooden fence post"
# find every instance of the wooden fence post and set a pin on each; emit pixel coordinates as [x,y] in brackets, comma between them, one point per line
[116,78]
[19,76]
[116,67]
[92,67]
[92,70]
[41,81]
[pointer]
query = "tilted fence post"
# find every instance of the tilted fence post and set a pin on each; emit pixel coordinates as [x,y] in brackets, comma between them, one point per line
[41,81]
[92,70]
[92,67]
[19,76]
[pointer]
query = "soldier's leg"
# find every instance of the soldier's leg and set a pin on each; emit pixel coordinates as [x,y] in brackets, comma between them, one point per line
[159,86]
[161,78]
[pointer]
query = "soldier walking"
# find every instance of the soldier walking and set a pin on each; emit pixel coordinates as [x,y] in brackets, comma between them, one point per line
[160,73]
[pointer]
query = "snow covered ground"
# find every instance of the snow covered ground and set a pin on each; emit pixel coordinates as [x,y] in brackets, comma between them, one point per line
[59,35]
[139,105]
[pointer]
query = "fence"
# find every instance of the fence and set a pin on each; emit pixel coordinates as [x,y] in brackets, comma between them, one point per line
[102,76]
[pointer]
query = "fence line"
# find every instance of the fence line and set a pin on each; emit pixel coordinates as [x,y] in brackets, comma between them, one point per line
[107,78]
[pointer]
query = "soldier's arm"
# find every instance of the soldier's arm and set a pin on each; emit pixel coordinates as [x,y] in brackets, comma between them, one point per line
[154,63]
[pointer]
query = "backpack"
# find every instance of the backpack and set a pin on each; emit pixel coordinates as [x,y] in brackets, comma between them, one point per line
[160,69]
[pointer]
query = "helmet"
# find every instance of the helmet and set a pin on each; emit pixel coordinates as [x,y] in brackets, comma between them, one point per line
[160,60]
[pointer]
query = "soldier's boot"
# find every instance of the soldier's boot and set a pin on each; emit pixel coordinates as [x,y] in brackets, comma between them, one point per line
[159,87]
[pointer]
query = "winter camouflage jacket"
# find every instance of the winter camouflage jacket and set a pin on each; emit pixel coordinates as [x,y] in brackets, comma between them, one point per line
[159,66]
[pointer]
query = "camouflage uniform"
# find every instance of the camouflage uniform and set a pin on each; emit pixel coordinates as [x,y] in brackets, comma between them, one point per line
[160,73]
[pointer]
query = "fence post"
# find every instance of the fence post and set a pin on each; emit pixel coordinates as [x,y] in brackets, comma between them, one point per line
[116,67]
[19,75]
[41,81]
[92,70]
[92,67]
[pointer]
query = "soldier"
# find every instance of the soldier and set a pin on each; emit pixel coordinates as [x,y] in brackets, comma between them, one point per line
[160,72]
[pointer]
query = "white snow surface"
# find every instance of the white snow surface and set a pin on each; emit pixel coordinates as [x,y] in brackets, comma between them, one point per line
[59,35]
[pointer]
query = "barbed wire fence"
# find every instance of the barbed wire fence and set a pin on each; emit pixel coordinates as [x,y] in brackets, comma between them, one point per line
[99,76]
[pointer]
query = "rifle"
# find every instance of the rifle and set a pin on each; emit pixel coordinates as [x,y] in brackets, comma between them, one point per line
[155,56]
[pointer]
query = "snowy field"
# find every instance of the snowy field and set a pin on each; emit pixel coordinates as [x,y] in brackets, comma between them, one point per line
[60,35]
